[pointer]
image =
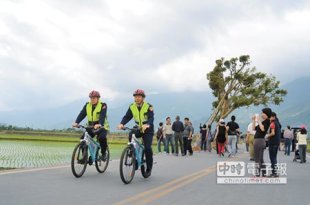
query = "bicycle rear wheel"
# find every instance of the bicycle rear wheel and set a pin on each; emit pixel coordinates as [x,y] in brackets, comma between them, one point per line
[79,159]
[128,164]
[102,164]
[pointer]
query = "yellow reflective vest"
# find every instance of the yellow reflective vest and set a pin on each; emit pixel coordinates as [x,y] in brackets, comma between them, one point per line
[140,116]
[94,115]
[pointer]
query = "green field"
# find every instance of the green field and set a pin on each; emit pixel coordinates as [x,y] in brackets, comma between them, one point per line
[40,149]
[55,137]
[33,149]
[18,154]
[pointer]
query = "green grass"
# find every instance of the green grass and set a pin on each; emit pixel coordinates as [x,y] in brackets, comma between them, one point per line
[21,153]
[115,138]
[40,133]
[38,138]
[41,153]
[112,138]
[4,169]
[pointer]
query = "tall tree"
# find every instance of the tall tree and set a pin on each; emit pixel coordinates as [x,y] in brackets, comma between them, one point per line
[236,84]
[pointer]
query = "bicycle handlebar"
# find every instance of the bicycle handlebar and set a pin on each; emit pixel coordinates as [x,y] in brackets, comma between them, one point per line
[82,126]
[131,129]
[86,127]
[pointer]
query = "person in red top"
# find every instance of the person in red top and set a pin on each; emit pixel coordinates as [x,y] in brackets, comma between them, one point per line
[221,137]
[273,138]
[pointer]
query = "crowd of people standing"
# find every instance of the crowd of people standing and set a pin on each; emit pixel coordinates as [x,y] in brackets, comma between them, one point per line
[176,137]
[264,130]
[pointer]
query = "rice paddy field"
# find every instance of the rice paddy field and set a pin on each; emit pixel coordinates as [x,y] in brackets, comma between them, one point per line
[25,150]
[33,149]
[20,154]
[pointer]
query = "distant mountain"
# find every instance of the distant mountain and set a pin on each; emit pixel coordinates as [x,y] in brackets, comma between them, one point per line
[195,105]
[296,108]
[190,104]
[294,111]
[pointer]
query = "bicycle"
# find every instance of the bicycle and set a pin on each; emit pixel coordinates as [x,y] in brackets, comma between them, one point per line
[81,151]
[132,158]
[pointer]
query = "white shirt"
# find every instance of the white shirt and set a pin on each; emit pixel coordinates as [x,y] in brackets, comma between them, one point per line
[250,128]
[302,139]
[168,129]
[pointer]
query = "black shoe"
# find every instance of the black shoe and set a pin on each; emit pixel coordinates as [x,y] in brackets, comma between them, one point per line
[104,157]
[251,159]
[81,161]
[148,173]
[137,167]
[274,175]
[90,161]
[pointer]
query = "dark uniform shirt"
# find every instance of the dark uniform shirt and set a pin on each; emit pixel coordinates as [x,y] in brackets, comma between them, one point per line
[102,117]
[150,118]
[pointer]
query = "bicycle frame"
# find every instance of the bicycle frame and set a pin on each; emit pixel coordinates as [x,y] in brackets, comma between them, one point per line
[139,147]
[93,146]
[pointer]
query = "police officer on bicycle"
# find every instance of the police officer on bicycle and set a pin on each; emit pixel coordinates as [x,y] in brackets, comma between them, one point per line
[143,114]
[96,112]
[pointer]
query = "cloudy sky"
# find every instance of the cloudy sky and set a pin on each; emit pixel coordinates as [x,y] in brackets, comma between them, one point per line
[53,52]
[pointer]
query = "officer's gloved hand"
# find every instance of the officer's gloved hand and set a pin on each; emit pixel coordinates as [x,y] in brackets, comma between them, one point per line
[97,126]
[145,126]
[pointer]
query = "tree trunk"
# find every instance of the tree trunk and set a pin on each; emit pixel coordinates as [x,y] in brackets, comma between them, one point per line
[228,112]
[224,109]
[217,110]
[213,116]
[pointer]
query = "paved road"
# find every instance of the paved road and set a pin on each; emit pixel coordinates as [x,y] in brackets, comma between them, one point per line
[175,180]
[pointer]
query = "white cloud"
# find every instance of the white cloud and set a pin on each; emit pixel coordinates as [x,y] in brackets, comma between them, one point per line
[59,51]
[184,73]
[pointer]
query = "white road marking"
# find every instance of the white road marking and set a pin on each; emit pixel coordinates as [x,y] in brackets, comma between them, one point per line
[32,170]
[24,170]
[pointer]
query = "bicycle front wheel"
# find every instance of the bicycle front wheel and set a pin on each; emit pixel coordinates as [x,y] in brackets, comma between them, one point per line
[102,162]
[143,171]
[79,159]
[128,164]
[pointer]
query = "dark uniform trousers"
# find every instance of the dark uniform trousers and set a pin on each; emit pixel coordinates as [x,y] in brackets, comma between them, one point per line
[102,137]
